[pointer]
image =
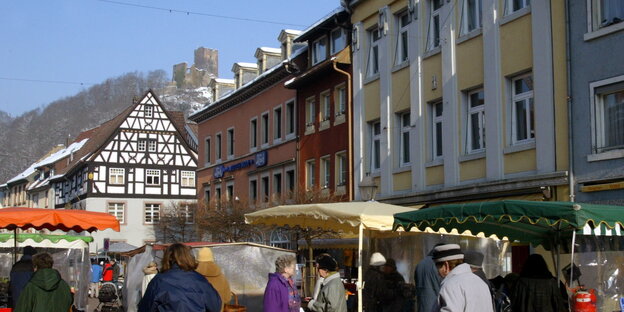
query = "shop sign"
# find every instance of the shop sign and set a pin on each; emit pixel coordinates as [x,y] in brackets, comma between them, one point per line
[259,160]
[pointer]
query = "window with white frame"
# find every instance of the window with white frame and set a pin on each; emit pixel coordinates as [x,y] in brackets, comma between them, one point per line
[229,192]
[189,214]
[230,142]
[142,145]
[253,191]
[373,52]
[253,133]
[338,40]
[476,122]
[116,175]
[152,145]
[341,100]
[435,24]
[277,184]
[188,178]
[310,111]
[436,129]
[207,150]
[152,177]
[402,48]
[515,5]
[608,116]
[375,135]
[148,110]
[310,179]
[471,16]
[341,169]
[277,123]
[218,146]
[522,110]
[325,171]
[404,146]
[218,196]
[290,118]
[605,13]
[265,128]
[117,210]
[152,213]
[319,50]
[325,106]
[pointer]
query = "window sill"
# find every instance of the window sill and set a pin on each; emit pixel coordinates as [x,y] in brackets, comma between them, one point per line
[253,149]
[277,141]
[519,147]
[612,154]
[400,66]
[603,31]
[230,157]
[371,78]
[264,145]
[467,36]
[339,119]
[376,173]
[514,16]
[340,190]
[290,136]
[324,125]
[431,52]
[435,163]
[403,168]
[309,130]
[472,156]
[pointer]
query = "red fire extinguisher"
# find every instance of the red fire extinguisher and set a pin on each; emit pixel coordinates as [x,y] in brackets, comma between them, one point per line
[584,300]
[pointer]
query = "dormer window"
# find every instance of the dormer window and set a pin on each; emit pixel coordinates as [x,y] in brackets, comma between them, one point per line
[319,50]
[338,40]
[148,110]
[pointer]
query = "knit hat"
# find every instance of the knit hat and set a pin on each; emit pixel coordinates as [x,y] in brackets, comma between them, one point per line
[327,263]
[474,259]
[447,252]
[205,255]
[377,259]
[29,250]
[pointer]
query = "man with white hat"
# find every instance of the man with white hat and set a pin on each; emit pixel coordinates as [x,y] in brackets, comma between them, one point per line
[374,284]
[461,290]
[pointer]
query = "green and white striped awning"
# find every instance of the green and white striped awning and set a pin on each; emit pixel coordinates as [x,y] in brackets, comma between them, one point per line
[601,230]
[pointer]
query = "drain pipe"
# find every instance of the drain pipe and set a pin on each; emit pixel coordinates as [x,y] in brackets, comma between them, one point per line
[349,130]
[570,103]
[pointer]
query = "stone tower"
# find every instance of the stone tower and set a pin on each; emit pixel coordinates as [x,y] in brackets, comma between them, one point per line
[207,59]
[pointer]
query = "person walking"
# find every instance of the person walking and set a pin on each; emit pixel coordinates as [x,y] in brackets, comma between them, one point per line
[332,297]
[21,272]
[280,294]
[395,283]
[212,272]
[96,277]
[375,288]
[148,274]
[427,280]
[178,287]
[111,272]
[537,289]
[461,290]
[46,291]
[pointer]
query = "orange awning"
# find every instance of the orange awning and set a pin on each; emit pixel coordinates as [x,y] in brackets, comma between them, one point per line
[56,219]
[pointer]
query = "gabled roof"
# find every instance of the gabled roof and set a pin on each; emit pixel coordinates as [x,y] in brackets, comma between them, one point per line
[324,25]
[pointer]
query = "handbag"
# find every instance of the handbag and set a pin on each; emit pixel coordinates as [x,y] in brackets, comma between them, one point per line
[234,307]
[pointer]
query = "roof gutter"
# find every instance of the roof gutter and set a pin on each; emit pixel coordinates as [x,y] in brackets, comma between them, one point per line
[349,127]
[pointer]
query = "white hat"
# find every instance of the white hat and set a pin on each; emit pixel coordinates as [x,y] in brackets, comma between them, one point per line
[377,259]
[447,252]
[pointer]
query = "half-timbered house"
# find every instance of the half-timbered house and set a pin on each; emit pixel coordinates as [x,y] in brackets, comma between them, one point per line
[135,166]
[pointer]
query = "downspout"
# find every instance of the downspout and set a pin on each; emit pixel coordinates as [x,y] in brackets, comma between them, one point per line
[569,100]
[349,130]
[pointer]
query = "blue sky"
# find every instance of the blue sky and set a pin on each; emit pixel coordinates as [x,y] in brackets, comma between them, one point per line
[88,41]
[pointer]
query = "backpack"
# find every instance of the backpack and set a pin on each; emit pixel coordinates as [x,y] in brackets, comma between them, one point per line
[502,302]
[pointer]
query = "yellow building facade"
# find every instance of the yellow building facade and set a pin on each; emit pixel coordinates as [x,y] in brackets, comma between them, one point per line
[459,100]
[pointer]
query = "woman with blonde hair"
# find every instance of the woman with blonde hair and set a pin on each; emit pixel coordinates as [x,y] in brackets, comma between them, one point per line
[178,287]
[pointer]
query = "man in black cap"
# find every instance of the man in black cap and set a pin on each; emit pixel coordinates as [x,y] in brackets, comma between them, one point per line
[461,290]
[21,272]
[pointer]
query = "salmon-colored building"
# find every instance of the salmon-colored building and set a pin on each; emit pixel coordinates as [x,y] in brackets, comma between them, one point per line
[323,87]
[247,138]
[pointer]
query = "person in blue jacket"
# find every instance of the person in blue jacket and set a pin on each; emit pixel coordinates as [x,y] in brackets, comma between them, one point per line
[178,287]
[21,272]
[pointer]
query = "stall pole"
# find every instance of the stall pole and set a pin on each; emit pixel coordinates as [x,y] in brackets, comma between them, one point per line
[360,285]
[14,245]
[572,257]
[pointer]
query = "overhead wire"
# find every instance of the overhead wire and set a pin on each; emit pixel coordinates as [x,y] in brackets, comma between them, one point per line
[48,81]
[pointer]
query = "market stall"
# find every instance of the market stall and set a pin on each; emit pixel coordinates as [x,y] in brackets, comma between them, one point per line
[70,254]
[592,232]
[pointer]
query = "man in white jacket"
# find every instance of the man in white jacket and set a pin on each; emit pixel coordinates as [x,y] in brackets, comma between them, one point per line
[461,290]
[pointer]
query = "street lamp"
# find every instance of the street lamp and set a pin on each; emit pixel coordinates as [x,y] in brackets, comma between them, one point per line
[368,188]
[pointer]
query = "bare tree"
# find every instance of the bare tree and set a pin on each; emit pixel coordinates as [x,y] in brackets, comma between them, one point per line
[177,223]
[224,221]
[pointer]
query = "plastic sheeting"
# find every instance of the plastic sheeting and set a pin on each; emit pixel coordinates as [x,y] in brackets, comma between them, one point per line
[71,259]
[245,265]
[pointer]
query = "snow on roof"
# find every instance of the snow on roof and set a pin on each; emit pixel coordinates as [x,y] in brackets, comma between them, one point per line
[49,160]
[244,64]
[270,50]
[292,31]
[224,80]
[323,19]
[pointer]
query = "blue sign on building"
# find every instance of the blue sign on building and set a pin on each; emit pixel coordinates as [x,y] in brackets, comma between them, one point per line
[260,159]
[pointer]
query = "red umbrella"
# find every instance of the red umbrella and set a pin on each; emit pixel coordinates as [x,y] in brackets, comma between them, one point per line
[55,219]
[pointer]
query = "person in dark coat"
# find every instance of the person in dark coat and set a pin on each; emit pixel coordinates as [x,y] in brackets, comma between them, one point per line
[178,287]
[21,272]
[427,280]
[395,282]
[46,291]
[375,288]
[537,289]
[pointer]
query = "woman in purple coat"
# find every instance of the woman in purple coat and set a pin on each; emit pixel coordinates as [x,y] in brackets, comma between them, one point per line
[281,293]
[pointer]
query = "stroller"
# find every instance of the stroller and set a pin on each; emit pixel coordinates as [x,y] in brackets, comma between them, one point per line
[109,298]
